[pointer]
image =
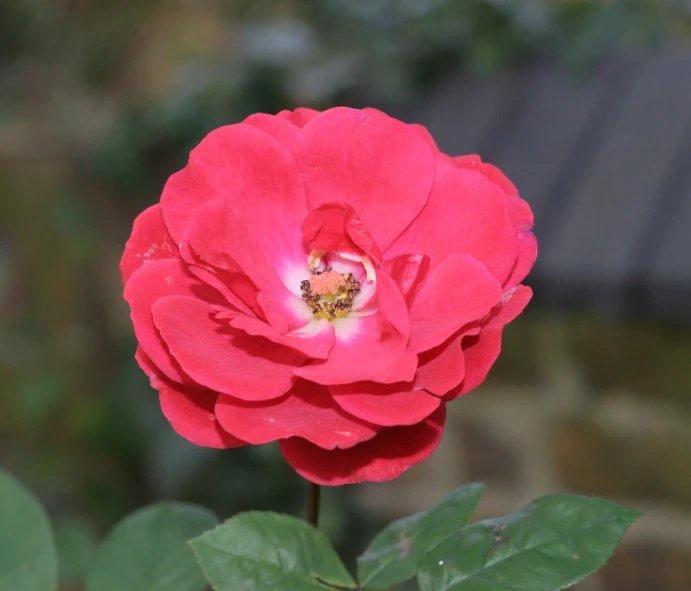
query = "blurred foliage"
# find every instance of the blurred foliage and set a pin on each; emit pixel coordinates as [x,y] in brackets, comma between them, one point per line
[101,100]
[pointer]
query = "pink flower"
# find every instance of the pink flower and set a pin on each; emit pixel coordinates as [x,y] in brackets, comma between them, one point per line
[328,280]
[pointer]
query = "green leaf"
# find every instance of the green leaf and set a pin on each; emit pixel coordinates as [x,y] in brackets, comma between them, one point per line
[28,559]
[393,556]
[263,551]
[551,544]
[148,551]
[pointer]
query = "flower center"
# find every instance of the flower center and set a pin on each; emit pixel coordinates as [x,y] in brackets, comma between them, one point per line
[329,294]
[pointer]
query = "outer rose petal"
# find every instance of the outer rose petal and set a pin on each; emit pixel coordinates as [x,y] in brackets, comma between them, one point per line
[465,214]
[458,291]
[378,165]
[191,413]
[189,410]
[527,254]
[284,131]
[386,456]
[148,284]
[484,349]
[442,368]
[519,212]
[300,116]
[307,411]
[424,133]
[150,241]
[491,172]
[389,406]
[255,174]
[222,358]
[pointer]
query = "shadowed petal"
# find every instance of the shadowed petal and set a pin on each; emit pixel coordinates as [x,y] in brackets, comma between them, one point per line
[386,456]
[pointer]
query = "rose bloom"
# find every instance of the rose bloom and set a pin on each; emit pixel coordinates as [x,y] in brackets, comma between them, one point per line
[329,281]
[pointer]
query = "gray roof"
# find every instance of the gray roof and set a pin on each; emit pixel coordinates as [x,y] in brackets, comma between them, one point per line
[605,162]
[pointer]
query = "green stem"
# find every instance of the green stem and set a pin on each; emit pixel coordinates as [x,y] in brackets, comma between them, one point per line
[313,504]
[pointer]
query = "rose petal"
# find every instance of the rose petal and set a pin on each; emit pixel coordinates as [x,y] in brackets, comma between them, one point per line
[256,175]
[189,410]
[520,214]
[335,227]
[222,358]
[527,254]
[150,241]
[458,291]
[379,166]
[315,340]
[386,456]
[442,368]
[392,305]
[300,116]
[489,171]
[284,131]
[481,351]
[237,289]
[465,214]
[391,405]
[362,353]
[307,411]
[424,133]
[217,235]
[148,284]
[408,271]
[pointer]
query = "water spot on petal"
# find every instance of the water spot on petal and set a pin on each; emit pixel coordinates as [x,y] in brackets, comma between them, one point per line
[358,115]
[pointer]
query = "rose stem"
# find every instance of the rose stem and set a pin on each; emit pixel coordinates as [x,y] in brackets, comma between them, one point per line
[313,504]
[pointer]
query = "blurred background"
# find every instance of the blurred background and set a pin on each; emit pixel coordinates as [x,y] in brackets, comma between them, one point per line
[585,104]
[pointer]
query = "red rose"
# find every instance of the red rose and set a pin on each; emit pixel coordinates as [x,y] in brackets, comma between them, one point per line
[328,280]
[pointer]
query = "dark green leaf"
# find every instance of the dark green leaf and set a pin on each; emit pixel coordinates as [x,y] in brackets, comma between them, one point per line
[28,559]
[552,544]
[393,556]
[263,551]
[148,551]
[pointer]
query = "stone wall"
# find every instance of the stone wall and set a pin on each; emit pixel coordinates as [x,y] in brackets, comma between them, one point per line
[576,405]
